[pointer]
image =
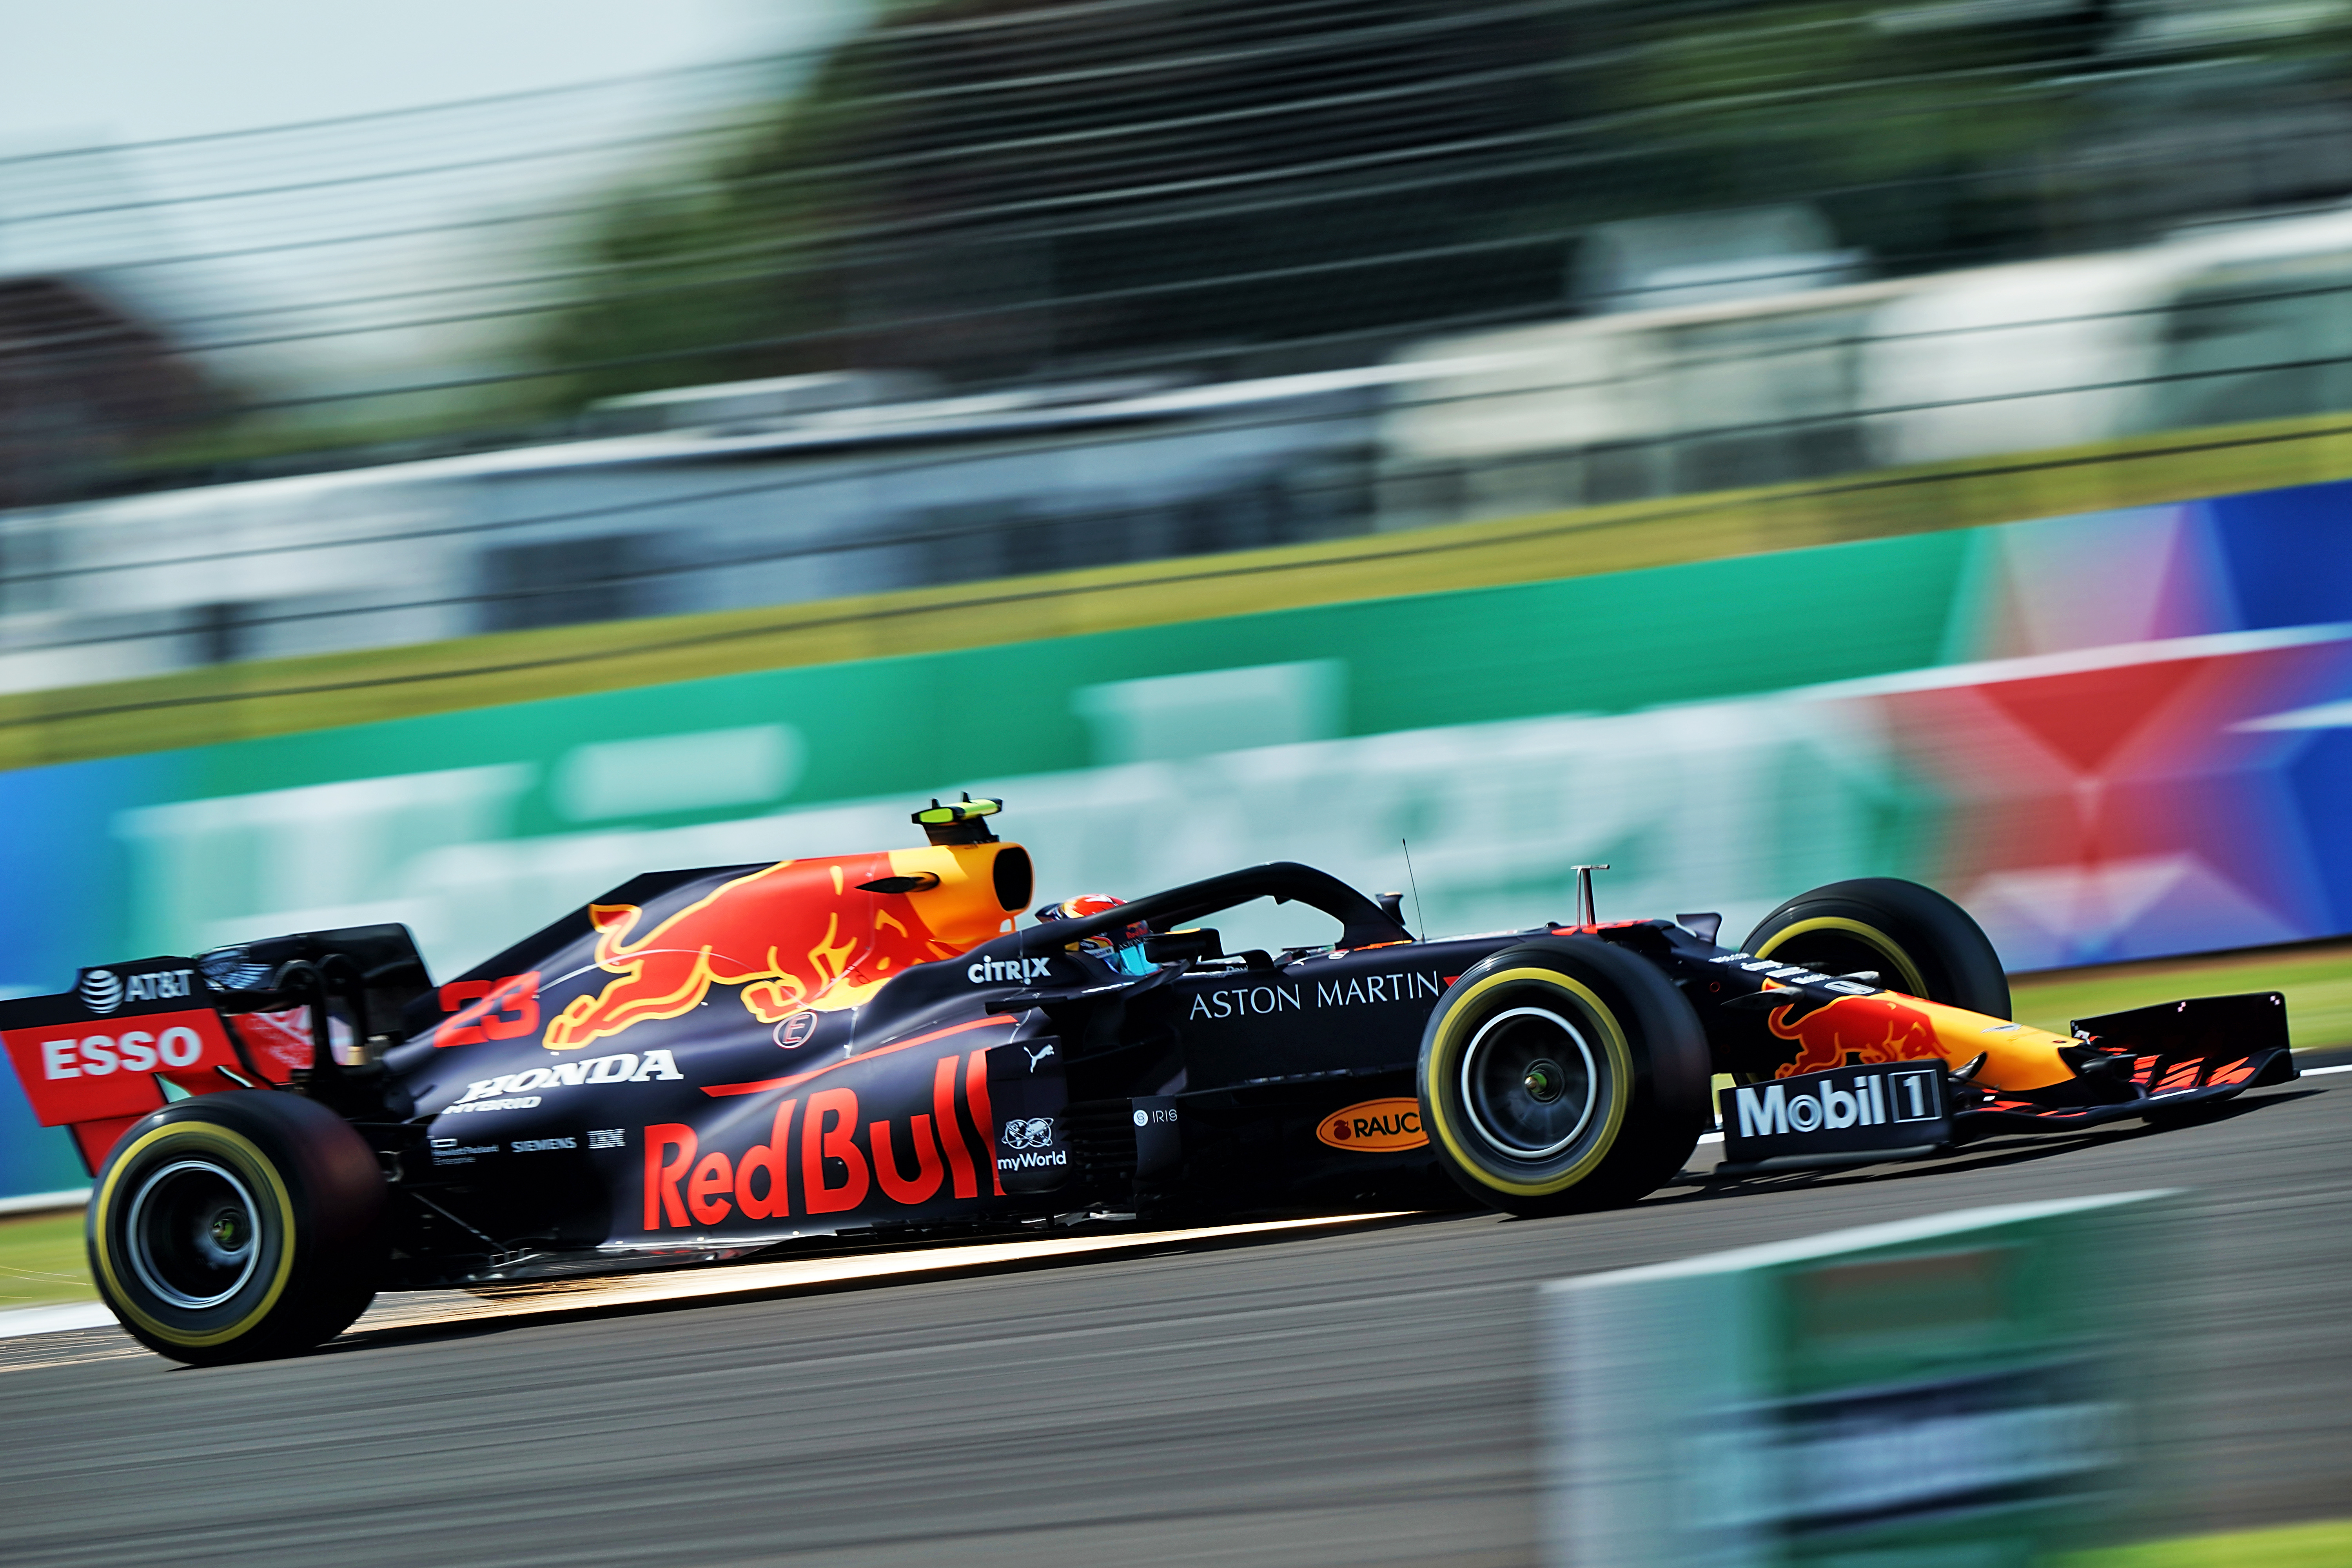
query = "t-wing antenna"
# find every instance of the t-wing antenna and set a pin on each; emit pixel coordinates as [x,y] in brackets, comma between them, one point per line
[1585,916]
[962,821]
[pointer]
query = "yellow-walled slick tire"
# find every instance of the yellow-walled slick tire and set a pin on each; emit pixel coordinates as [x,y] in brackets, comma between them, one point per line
[1917,942]
[1562,1075]
[237,1227]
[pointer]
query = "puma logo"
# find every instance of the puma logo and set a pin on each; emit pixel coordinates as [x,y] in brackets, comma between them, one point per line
[1037,1056]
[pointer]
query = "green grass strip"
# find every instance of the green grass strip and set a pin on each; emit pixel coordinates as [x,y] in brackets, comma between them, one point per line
[239,702]
[2316,980]
[2324,1545]
[42,1261]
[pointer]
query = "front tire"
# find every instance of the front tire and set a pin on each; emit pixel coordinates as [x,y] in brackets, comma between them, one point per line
[237,1227]
[1562,1075]
[1920,942]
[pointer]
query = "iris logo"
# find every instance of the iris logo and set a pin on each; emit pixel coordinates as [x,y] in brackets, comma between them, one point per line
[101,990]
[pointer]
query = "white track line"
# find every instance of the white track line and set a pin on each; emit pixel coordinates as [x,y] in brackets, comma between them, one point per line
[46,1202]
[410,1309]
[18,1322]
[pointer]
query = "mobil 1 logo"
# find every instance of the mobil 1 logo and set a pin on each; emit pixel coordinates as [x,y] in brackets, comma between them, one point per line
[1883,1106]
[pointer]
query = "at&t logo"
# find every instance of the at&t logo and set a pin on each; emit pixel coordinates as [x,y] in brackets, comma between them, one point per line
[101,990]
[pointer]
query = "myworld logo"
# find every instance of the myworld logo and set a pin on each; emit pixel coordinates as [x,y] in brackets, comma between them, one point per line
[1032,1139]
[1029,1132]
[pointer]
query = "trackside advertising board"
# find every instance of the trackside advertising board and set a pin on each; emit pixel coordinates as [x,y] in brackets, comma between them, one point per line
[2111,736]
[1963,1389]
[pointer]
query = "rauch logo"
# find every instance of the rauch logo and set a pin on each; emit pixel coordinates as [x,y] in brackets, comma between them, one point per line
[1374,1127]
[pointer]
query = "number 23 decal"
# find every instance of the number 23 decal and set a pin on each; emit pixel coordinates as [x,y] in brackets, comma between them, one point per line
[505,1009]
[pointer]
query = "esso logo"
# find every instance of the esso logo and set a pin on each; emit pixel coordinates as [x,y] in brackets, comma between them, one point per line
[132,1050]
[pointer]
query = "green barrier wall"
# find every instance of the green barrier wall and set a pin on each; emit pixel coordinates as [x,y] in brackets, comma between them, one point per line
[2119,735]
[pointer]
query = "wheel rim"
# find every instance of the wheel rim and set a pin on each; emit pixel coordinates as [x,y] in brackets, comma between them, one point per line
[191,1234]
[1529,1082]
[1834,943]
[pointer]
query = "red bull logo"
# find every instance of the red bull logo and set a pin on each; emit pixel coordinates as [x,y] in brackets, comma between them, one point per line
[1855,1028]
[844,1158]
[796,935]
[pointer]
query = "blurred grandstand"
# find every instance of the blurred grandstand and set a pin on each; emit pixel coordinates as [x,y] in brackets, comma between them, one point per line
[995,287]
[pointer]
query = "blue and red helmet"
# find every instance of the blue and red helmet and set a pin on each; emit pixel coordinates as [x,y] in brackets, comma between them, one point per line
[1105,947]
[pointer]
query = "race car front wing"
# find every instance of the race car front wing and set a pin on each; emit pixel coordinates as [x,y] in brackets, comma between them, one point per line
[2155,1061]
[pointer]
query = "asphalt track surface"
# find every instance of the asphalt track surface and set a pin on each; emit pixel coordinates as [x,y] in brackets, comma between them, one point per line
[1357,1395]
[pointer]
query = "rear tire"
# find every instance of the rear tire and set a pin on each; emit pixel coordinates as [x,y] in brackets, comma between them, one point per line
[237,1227]
[1920,942]
[1562,1075]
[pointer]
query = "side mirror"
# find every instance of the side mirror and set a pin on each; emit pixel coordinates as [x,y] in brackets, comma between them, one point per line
[1181,946]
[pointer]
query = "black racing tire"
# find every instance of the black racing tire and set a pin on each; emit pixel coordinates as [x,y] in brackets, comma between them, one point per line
[1562,1075]
[1919,941]
[237,1227]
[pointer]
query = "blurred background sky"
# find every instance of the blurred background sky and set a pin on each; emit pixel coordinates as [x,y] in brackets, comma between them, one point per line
[256,239]
[457,456]
[131,117]
[344,335]
[142,70]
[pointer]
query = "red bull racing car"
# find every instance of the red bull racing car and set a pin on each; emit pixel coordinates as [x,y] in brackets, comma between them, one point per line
[717,1063]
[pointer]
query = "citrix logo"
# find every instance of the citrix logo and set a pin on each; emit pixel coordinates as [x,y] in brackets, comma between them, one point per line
[1007,969]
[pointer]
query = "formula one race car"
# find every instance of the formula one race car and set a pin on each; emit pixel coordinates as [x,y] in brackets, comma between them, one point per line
[714,1064]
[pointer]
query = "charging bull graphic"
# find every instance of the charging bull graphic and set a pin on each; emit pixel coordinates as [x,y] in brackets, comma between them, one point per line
[1859,1028]
[795,935]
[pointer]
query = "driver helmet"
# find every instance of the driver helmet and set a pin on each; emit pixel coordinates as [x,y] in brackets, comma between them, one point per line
[1121,949]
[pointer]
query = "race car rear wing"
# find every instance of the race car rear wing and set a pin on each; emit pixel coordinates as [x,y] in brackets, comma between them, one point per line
[129,1037]
[97,1058]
